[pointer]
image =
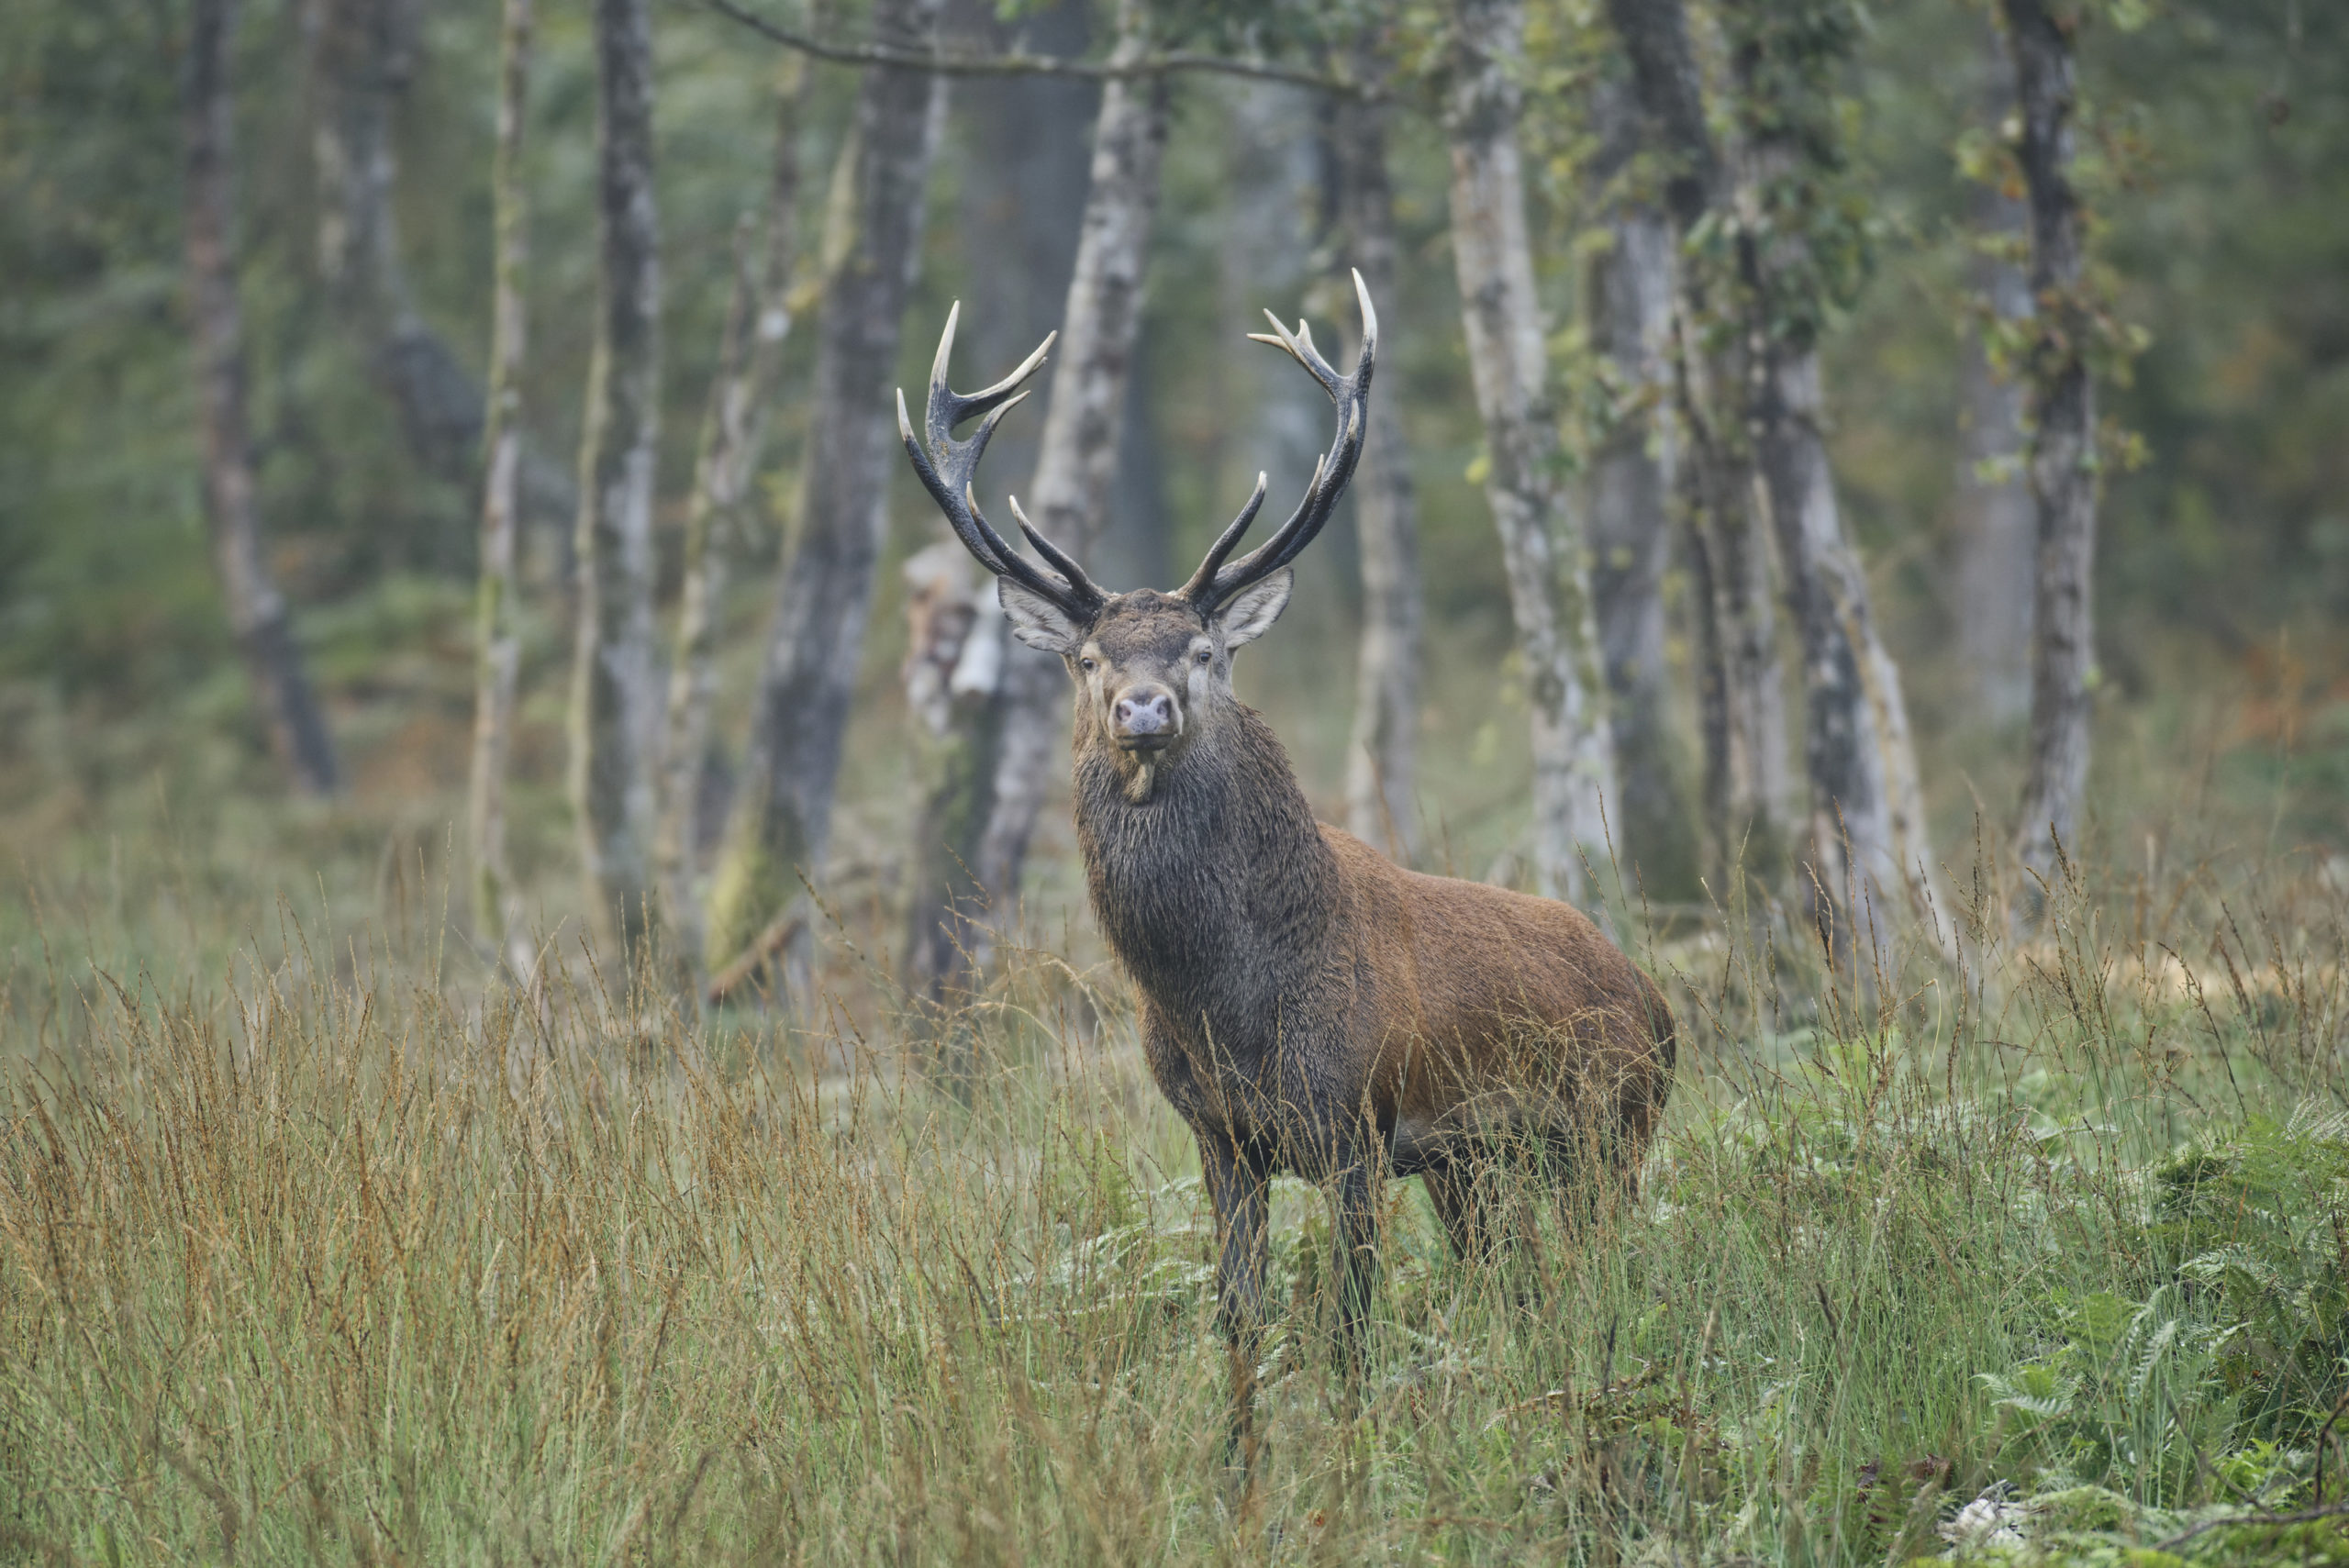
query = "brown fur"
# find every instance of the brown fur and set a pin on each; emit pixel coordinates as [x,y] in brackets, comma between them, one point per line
[1308,1005]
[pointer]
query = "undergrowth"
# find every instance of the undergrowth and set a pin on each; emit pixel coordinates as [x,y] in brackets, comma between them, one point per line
[336,1249]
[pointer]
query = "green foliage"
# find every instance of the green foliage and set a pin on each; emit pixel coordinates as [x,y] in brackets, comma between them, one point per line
[1812,221]
[554,1271]
[2260,1223]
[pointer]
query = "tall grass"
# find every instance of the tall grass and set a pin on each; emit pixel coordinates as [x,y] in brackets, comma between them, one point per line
[331,1249]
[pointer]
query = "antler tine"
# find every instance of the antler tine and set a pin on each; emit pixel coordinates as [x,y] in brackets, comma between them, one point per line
[1215,583]
[948,408]
[1054,557]
[1204,578]
[1298,346]
[948,467]
[977,537]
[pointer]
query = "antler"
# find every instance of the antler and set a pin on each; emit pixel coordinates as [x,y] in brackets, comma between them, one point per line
[947,468]
[1214,582]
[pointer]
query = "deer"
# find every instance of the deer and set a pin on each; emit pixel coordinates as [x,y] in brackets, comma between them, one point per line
[1307,1006]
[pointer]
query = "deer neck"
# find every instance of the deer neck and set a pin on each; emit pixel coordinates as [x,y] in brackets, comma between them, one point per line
[1211,869]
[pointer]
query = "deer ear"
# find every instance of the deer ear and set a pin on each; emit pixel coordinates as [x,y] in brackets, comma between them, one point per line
[1036,620]
[1254,608]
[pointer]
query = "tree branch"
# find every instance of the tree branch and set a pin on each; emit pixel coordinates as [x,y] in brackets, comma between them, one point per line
[1021,63]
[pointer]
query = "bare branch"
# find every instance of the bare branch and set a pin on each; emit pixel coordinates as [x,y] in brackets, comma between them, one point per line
[1019,62]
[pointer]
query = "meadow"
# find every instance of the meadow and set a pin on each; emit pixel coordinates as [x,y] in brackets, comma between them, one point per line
[322,1242]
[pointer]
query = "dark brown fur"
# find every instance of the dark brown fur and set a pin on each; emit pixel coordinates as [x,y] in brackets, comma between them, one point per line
[1306,1005]
[1309,1006]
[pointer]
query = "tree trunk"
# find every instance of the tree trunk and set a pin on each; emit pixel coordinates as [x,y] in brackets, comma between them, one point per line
[362,54]
[1022,206]
[1381,802]
[297,732]
[784,820]
[1078,461]
[1750,785]
[1628,298]
[758,319]
[1540,543]
[1994,579]
[2063,442]
[1867,847]
[953,661]
[499,645]
[613,712]
[1742,701]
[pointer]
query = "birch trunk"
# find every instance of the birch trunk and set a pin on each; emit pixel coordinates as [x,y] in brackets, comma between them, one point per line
[1996,521]
[498,643]
[613,695]
[783,822]
[257,615]
[1077,461]
[1741,703]
[2063,443]
[1541,542]
[1022,198]
[362,54]
[953,662]
[1382,757]
[1866,850]
[1628,301]
[757,319]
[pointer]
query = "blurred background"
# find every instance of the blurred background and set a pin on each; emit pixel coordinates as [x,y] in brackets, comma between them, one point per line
[137,763]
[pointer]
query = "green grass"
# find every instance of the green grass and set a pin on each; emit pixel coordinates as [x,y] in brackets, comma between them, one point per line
[318,1244]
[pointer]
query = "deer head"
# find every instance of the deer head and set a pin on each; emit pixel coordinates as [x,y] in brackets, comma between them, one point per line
[1152,668]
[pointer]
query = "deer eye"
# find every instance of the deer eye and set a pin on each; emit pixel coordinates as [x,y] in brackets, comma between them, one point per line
[1088,665]
[1205,655]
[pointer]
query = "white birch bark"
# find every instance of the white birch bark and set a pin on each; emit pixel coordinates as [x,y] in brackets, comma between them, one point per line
[757,319]
[1382,756]
[1628,303]
[1996,518]
[1541,542]
[1077,462]
[613,711]
[499,647]
[2063,443]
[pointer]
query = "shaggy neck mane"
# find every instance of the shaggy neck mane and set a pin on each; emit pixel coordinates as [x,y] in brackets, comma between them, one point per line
[1218,868]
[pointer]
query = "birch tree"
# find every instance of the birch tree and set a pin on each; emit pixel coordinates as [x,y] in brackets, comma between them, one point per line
[499,647]
[1746,784]
[363,56]
[1021,196]
[1795,247]
[1541,543]
[1994,579]
[1382,755]
[257,614]
[1628,301]
[2063,459]
[1770,249]
[757,319]
[1077,461]
[783,821]
[613,713]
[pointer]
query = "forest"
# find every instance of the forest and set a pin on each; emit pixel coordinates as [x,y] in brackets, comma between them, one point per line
[561,992]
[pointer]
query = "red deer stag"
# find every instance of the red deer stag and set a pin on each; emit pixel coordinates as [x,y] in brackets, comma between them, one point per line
[1306,1005]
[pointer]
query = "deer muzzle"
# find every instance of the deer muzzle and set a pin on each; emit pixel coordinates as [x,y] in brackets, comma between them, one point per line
[1145,718]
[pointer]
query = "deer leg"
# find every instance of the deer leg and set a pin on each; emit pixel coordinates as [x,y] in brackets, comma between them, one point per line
[1460,1202]
[1355,1267]
[1238,1187]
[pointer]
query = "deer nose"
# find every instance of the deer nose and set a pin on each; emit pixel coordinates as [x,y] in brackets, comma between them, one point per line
[1145,712]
